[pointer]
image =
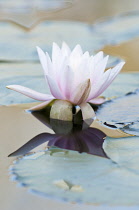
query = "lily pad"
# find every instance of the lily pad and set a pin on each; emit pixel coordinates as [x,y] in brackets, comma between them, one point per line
[119,28]
[115,30]
[123,112]
[96,180]
[23,44]
[124,152]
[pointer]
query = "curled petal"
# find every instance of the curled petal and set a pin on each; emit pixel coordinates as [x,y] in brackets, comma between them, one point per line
[98,100]
[81,92]
[31,93]
[87,111]
[40,106]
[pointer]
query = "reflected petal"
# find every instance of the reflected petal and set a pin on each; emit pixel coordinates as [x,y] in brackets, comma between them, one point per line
[33,143]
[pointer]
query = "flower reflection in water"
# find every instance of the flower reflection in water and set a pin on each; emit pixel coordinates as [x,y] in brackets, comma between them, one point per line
[67,135]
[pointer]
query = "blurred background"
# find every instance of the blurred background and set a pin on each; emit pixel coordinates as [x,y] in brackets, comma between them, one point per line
[111,26]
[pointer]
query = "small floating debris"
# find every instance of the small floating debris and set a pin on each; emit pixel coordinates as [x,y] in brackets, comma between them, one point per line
[61,184]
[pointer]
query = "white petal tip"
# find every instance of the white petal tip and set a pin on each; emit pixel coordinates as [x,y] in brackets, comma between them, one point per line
[39,49]
[9,86]
[123,63]
[55,44]
[64,43]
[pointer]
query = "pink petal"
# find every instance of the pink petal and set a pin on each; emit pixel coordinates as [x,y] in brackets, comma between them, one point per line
[45,62]
[80,73]
[105,81]
[57,60]
[111,76]
[98,57]
[75,56]
[31,93]
[54,88]
[40,106]
[96,70]
[65,49]
[77,51]
[49,64]
[98,86]
[43,59]
[99,100]
[81,92]
[56,55]
[85,55]
[62,68]
[66,82]
[56,50]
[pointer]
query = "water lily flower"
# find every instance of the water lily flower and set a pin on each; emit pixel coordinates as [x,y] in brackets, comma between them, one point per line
[72,76]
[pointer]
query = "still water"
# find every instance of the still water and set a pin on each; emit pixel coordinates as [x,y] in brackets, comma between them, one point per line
[79,163]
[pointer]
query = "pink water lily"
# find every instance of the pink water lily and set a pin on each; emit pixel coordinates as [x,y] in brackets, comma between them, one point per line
[73,76]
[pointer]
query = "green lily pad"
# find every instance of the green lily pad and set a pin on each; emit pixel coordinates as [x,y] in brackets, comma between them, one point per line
[124,152]
[23,44]
[74,177]
[123,112]
[119,28]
